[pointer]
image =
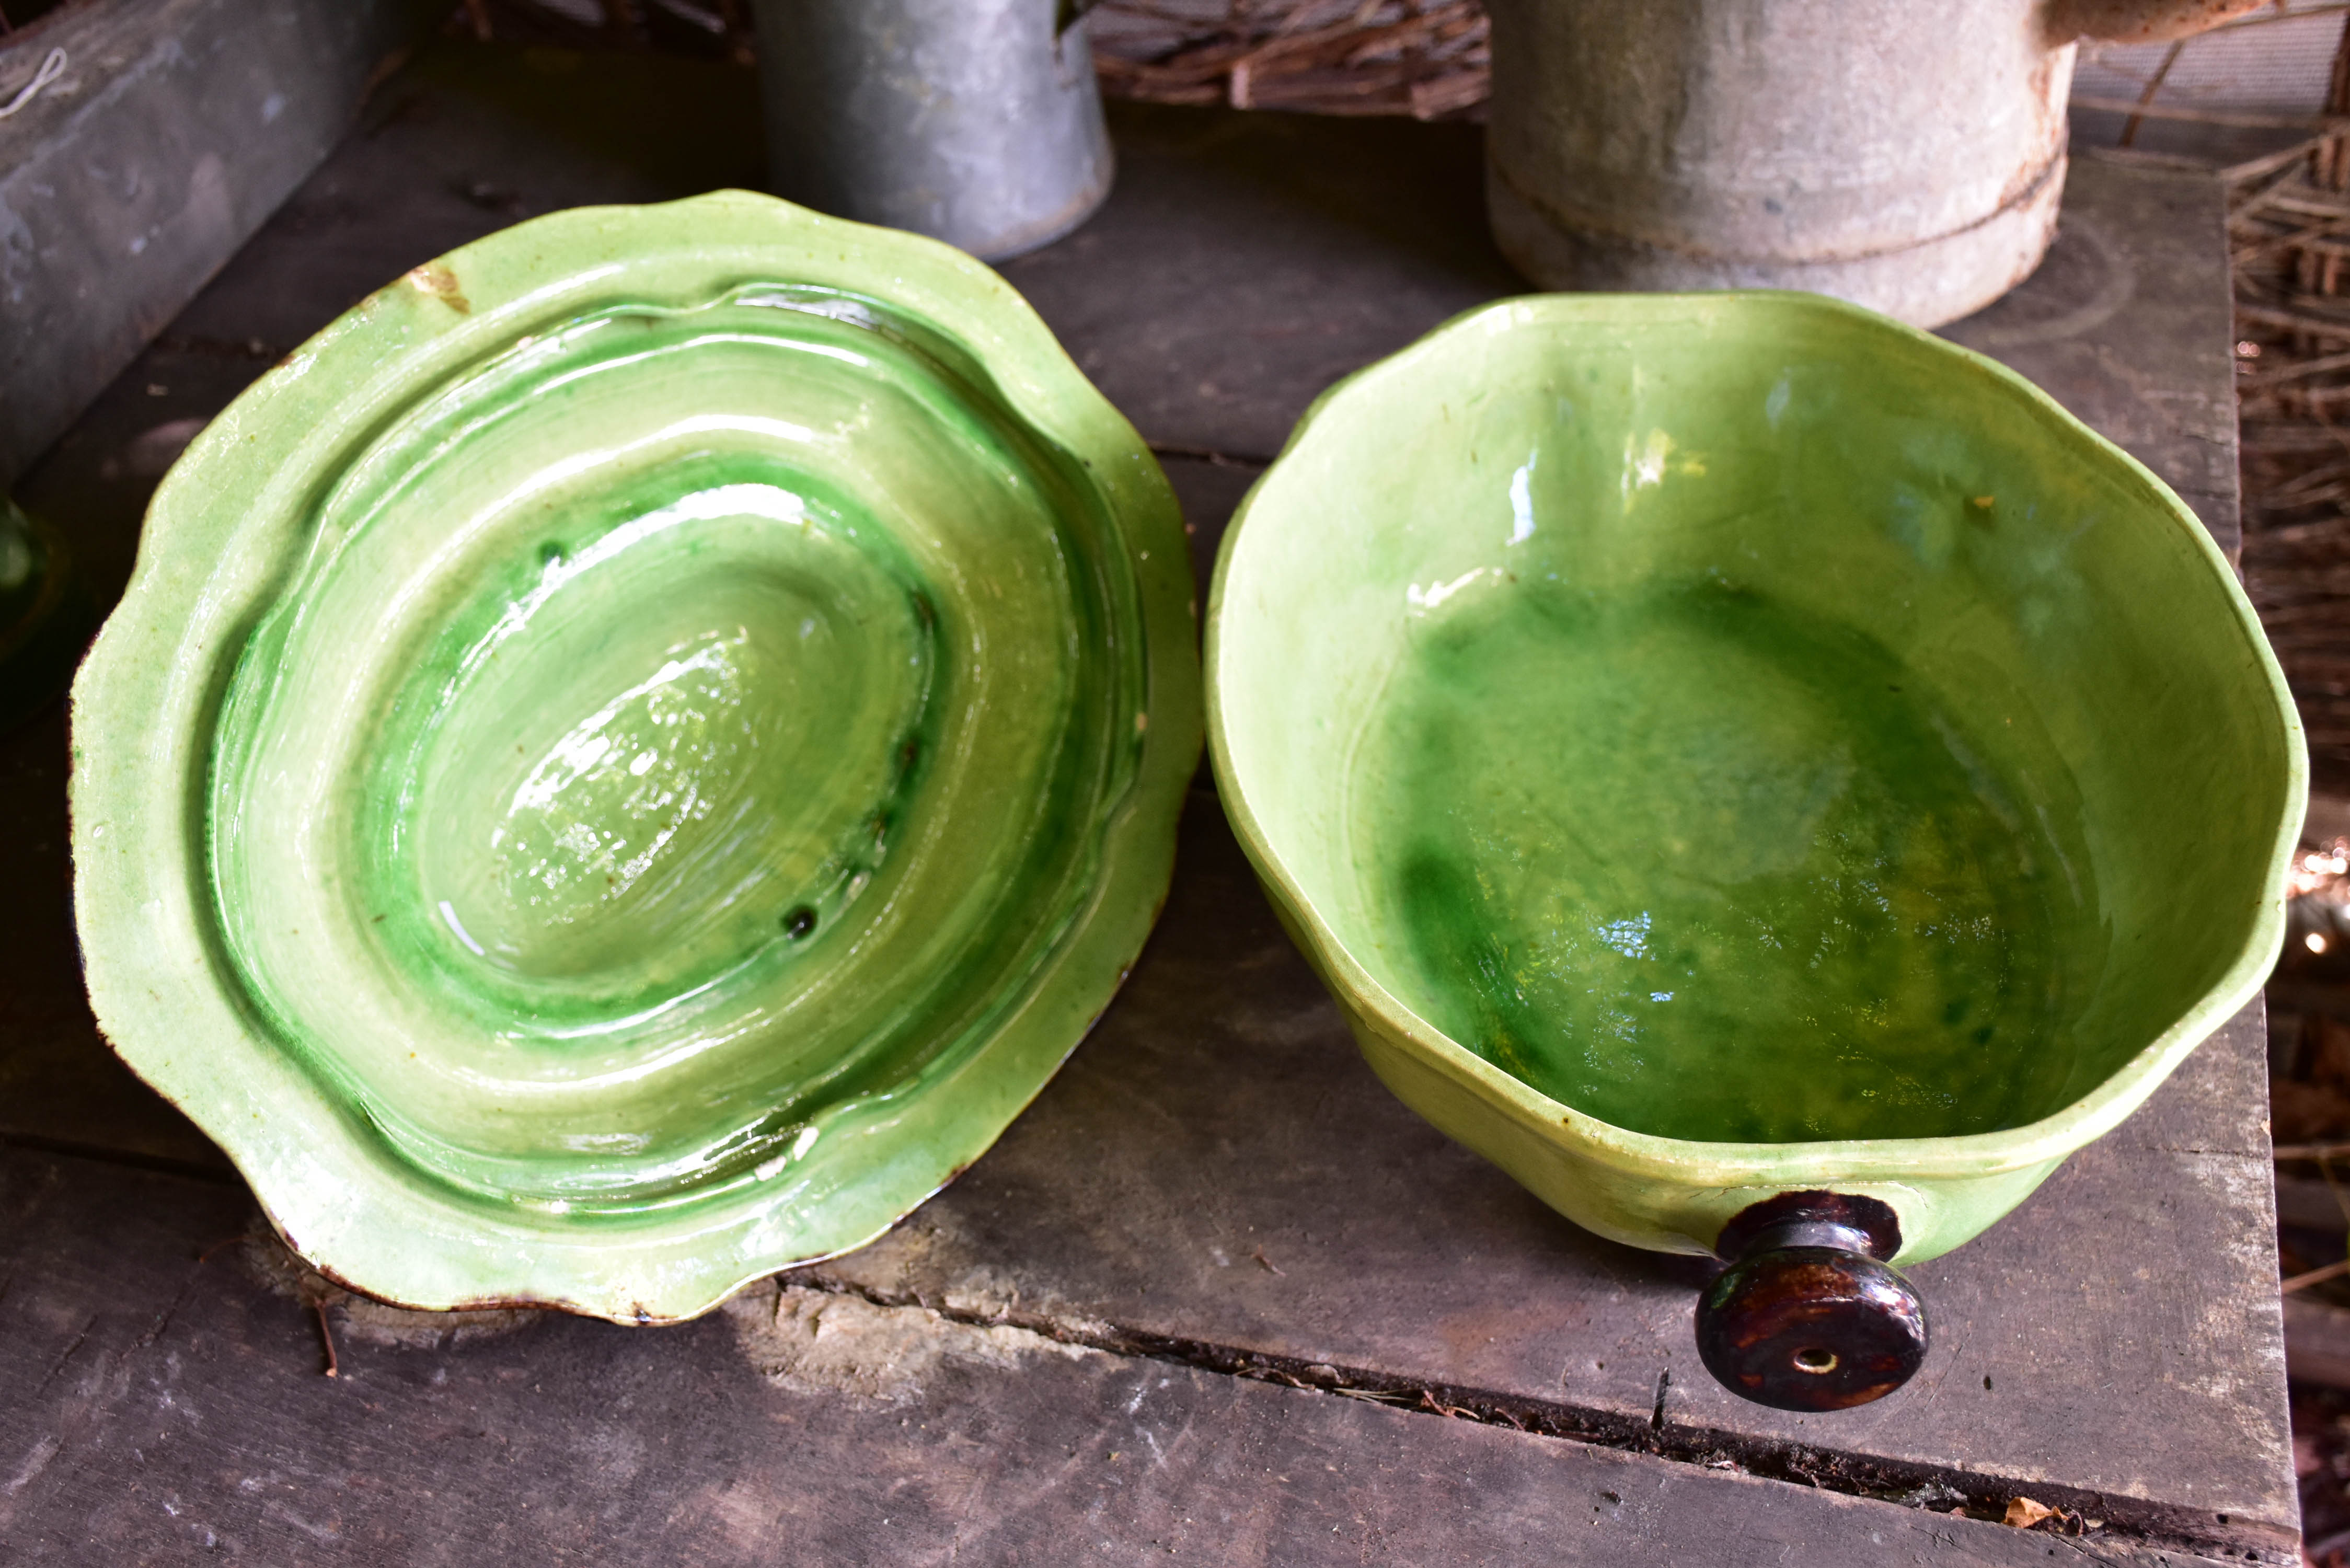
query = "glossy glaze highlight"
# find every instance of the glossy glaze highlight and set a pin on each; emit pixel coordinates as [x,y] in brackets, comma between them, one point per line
[630,758]
[553,757]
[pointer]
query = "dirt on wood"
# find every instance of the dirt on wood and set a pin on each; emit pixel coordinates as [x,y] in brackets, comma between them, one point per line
[816,1341]
[356,1319]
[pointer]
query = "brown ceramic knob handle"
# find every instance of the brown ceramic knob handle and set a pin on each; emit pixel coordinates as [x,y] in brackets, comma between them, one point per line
[1809,1315]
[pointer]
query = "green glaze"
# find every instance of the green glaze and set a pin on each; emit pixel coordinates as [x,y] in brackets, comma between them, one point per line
[1727,745]
[1838,921]
[633,755]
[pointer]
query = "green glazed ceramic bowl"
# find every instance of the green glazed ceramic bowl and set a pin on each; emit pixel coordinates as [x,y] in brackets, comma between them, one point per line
[1723,746]
[630,757]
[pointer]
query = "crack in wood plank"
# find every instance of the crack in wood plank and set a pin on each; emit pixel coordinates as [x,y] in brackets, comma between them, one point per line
[1885,1480]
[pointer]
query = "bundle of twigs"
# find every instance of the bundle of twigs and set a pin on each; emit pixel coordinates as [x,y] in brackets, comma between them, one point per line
[2289,232]
[1421,58]
[1428,58]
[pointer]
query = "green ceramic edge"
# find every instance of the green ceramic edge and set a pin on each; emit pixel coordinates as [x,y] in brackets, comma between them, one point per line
[1675,1195]
[358,1213]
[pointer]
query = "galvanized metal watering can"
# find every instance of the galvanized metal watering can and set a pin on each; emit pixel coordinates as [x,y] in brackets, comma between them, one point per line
[1909,158]
[973,122]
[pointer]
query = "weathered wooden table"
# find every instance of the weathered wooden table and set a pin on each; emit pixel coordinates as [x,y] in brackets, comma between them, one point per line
[1216,1295]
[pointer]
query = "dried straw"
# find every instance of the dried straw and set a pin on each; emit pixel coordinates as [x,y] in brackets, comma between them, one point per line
[2289,239]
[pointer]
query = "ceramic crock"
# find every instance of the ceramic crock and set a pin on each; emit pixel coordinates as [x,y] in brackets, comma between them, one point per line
[1770,780]
[630,758]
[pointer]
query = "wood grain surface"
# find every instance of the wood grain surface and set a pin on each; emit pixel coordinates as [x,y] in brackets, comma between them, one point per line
[160,1380]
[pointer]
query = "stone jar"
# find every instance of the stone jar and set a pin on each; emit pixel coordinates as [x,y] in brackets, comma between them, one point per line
[1908,157]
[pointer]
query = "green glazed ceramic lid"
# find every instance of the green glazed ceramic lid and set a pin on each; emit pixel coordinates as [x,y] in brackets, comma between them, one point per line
[630,757]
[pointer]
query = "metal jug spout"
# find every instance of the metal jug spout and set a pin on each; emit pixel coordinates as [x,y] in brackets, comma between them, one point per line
[2139,21]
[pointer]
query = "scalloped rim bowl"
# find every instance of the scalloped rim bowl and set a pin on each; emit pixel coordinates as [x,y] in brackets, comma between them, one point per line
[630,757]
[1803,452]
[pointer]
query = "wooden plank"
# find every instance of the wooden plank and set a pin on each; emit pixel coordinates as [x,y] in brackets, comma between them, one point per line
[171,131]
[2115,1343]
[1244,262]
[165,1405]
[2317,1342]
[1217,1169]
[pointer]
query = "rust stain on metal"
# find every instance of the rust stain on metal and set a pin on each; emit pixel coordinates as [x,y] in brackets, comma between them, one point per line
[2141,21]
